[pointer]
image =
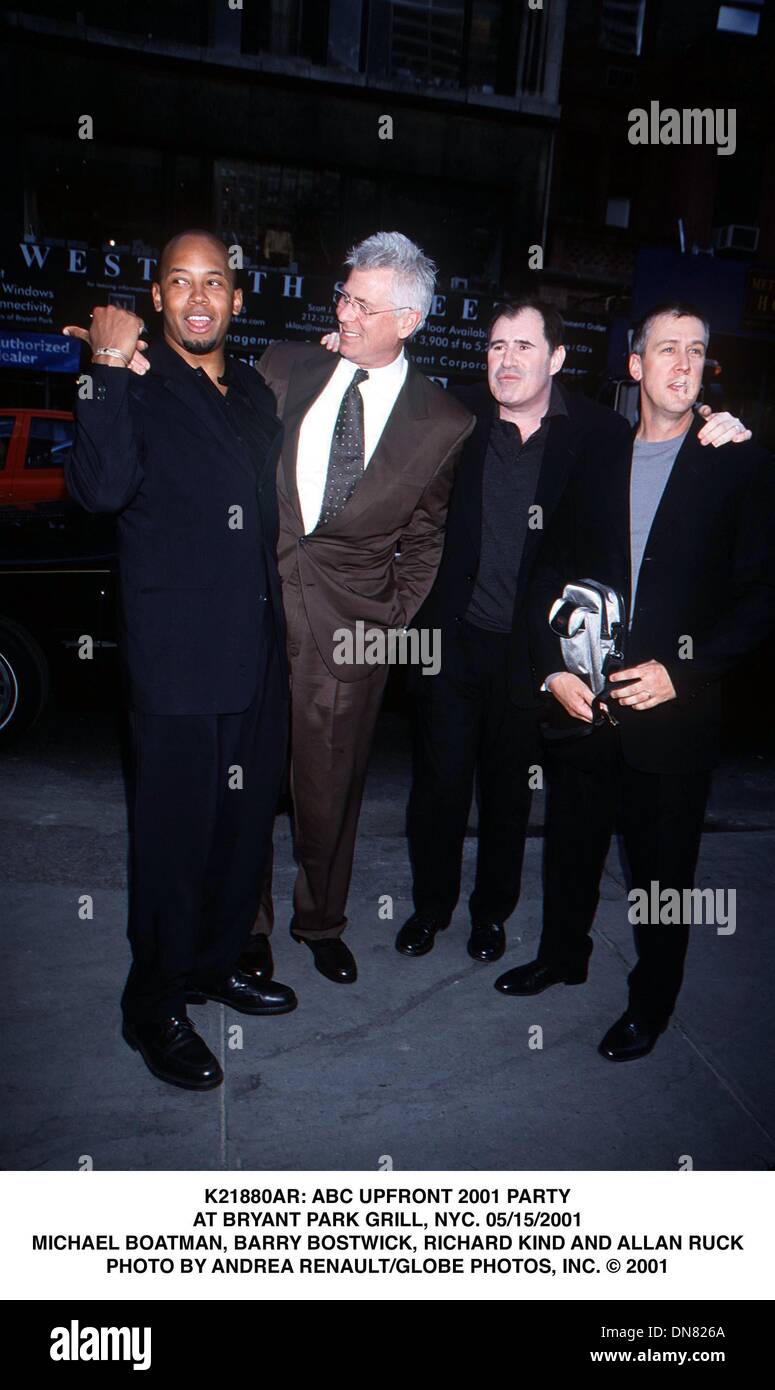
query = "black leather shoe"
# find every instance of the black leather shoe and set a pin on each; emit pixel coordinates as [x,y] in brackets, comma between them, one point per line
[333,959]
[487,941]
[629,1038]
[174,1051]
[418,934]
[534,978]
[246,994]
[256,959]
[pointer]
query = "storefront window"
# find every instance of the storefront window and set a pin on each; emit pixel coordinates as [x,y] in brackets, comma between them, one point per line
[417,39]
[92,193]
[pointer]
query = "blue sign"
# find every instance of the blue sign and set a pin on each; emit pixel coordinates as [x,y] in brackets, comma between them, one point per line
[40,352]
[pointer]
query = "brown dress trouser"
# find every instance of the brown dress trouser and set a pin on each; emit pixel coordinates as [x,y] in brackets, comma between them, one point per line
[332,727]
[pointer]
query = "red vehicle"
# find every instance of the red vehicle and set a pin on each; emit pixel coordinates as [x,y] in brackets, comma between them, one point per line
[57,567]
[33,447]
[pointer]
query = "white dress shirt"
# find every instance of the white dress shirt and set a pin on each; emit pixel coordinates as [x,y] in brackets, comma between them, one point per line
[379,394]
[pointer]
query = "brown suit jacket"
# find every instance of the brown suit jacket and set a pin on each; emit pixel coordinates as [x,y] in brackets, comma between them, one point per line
[347,569]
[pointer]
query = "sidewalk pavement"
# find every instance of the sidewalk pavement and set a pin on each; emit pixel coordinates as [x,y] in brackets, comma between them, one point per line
[421,1062]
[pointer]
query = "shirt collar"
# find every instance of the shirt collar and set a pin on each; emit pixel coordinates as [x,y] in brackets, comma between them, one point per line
[228,378]
[392,372]
[171,363]
[557,404]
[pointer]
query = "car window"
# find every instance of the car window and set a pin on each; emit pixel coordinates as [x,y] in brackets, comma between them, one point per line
[7,423]
[49,443]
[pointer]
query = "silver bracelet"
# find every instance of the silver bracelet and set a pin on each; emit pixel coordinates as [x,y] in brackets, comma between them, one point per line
[112,352]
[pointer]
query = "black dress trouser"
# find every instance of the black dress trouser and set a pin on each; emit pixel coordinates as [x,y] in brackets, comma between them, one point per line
[660,816]
[466,727]
[204,797]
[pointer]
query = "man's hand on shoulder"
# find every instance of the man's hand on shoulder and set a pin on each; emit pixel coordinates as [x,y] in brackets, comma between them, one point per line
[721,428]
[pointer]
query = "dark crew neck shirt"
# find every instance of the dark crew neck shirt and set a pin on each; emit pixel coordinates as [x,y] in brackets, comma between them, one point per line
[509,484]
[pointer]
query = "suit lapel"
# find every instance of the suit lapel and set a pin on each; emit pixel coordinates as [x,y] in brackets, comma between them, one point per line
[555,467]
[400,444]
[260,397]
[609,466]
[616,521]
[675,505]
[306,381]
[266,421]
[678,500]
[471,475]
[178,378]
[202,409]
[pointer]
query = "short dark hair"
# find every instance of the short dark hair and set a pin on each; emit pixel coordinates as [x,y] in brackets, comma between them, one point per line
[678,309]
[205,235]
[554,327]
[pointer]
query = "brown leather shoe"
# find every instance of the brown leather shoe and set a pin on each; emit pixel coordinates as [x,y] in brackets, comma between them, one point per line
[333,959]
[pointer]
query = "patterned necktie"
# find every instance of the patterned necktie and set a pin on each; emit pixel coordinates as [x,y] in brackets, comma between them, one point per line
[346,460]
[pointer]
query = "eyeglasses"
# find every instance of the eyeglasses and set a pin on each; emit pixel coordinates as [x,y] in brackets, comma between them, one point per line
[342,297]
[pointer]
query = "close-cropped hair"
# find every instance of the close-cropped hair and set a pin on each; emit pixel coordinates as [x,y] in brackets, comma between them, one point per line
[677,310]
[202,234]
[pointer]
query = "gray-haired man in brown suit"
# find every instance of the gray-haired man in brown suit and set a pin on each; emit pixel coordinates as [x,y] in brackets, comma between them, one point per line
[370,451]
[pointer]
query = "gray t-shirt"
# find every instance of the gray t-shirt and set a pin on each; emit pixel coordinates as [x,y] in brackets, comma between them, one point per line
[652,465]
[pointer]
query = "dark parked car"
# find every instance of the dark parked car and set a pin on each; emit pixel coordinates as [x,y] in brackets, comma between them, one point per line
[57,605]
[57,568]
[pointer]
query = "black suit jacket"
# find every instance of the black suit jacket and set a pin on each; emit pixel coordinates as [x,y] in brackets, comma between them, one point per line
[587,426]
[197,595]
[708,573]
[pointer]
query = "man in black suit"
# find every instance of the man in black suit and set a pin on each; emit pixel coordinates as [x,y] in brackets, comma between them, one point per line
[685,536]
[478,716]
[184,448]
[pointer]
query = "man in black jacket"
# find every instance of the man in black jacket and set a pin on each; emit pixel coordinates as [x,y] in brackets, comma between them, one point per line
[685,536]
[478,716]
[184,448]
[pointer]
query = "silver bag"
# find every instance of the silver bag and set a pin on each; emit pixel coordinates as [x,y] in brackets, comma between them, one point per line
[590,621]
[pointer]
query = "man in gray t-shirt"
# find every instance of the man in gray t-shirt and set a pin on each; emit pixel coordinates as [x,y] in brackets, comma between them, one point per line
[652,464]
[686,540]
